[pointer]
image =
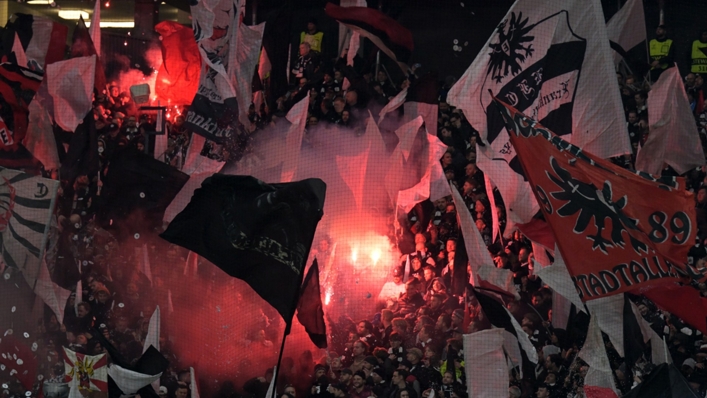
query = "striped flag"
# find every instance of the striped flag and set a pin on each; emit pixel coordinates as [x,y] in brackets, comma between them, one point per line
[42,39]
[26,205]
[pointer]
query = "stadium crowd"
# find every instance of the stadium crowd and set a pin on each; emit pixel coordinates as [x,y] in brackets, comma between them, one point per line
[412,346]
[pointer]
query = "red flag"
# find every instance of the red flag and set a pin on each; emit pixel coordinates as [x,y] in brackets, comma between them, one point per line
[82,46]
[310,312]
[617,230]
[599,392]
[682,301]
[178,78]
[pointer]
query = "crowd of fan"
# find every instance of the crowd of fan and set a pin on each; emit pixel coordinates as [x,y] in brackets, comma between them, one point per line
[412,347]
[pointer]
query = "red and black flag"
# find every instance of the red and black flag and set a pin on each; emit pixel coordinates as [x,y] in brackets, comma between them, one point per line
[664,381]
[617,230]
[260,233]
[386,33]
[310,312]
[423,100]
[17,89]
[42,40]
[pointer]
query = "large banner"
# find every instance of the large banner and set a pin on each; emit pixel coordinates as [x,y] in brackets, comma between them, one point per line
[617,230]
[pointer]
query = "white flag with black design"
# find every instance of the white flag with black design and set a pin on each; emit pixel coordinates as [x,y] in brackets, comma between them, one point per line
[552,61]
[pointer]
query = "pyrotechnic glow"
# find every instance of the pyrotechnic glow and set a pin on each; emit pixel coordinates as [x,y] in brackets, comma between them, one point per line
[327,298]
[354,255]
[375,256]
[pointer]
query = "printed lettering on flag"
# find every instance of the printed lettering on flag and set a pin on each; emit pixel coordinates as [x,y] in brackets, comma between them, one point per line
[617,230]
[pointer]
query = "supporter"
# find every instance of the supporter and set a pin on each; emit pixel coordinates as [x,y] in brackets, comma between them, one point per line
[312,36]
[661,51]
[306,64]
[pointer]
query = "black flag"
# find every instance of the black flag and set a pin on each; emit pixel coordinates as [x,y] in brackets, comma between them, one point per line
[310,311]
[260,233]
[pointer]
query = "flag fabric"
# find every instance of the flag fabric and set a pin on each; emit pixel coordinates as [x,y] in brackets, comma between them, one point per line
[17,89]
[664,381]
[260,233]
[501,318]
[594,354]
[214,111]
[387,34]
[70,84]
[271,388]
[310,312]
[683,301]
[495,226]
[552,60]
[485,364]
[153,332]
[27,204]
[85,372]
[297,116]
[433,185]
[127,378]
[558,278]
[395,103]
[143,257]
[19,360]
[274,59]
[484,272]
[19,51]
[423,100]
[673,137]
[193,385]
[599,392]
[82,156]
[53,295]
[178,77]
[39,139]
[352,169]
[136,191]
[249,42]
[42,39]
[95,29]
[195,162]
[406,135]
[627,28]
[82,46]
[578,192]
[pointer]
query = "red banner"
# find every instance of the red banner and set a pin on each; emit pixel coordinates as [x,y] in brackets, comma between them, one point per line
[617,230]
[178,78]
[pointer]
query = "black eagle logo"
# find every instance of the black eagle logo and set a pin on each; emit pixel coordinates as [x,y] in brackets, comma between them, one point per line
[512,48]
[592,203]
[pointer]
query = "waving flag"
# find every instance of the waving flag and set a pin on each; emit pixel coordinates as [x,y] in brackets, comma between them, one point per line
[310,312]
[617,231]
[85,372]
[178,78]
[26,205]
[386,33]
[260,233]
[42,39]
[551,60]
[627,28]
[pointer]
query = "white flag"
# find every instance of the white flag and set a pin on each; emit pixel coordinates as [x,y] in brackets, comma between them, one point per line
[70,84]
[594,354]
[393,104]
[483,268]
[297,116]
[39,139]
[627,28]
[95,29]
[54,296]
[406,135]
[352,169]
[552,61]
[248,45]
[558,278]
[193,385]
[153,332]
[271,388]
[609,315]
[129,381]
[19,51]
[673,137]
[495,227]
[486,369]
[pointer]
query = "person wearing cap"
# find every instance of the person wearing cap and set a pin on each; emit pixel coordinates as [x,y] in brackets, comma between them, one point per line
[698,55]
[661,51]
[338,390]
[358,388]
[163,392]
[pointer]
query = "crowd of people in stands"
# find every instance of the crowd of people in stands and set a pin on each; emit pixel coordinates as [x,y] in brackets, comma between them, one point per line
[412,346]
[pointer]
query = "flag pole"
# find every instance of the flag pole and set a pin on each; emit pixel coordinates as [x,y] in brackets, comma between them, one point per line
[276,374]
